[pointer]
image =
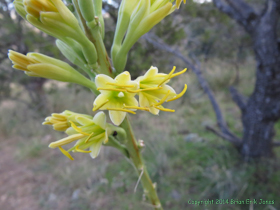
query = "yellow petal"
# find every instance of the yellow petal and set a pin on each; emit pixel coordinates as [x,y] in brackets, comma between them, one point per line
[146,101]
[83,120]
[123,78]
[100,120]
[95,148]
[101,80]
[117,116]
[101,101]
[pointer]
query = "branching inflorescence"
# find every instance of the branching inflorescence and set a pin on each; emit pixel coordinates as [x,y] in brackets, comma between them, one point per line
[80,33]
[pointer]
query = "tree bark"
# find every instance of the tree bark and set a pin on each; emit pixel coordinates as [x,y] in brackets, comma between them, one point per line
[263,107]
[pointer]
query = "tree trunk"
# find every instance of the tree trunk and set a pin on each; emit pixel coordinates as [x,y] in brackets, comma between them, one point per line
[263,107]
[262,110]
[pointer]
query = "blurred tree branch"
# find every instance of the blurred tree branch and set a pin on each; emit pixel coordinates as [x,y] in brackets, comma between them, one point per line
[240,11]
[238,98]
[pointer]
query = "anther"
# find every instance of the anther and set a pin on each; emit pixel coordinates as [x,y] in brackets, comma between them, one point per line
[179,73]
[65,153]
[180,94]
[164,109]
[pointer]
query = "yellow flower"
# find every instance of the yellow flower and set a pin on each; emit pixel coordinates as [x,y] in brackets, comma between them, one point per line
[154,92]
[61,121]
[89,133]
[39,65]
[117,96]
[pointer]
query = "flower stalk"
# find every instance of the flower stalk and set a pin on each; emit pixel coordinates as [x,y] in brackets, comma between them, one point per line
[137,159]
[80,39]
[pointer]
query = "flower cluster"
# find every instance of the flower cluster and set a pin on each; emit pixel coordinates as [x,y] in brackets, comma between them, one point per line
[118,95]
[88,132]
[135,18]
[55,19]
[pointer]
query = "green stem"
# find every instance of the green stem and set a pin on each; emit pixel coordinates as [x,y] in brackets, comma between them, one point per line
[103,59]
[93,33]
[114,143]
[136,157]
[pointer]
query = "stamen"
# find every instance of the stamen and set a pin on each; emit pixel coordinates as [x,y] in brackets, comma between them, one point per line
[163,99]
[133,91]
[97,137]
[168,76]
[180,94]
[118,85]
[146,89]
[153,88]
[179,73]
[112,89]
[120,109]
[86,141]
[164,109]
[79,130]
[98,107]
[65,153]
[136,107]
[80,150]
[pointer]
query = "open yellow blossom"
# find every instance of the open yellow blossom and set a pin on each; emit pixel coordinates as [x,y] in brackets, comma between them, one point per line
[117,96]
[39,65]
[154,91]
[88,133]
[62,121]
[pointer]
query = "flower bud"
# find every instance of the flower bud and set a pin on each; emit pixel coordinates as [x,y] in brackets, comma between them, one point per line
[136,23]
[39,65]
[54,18]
